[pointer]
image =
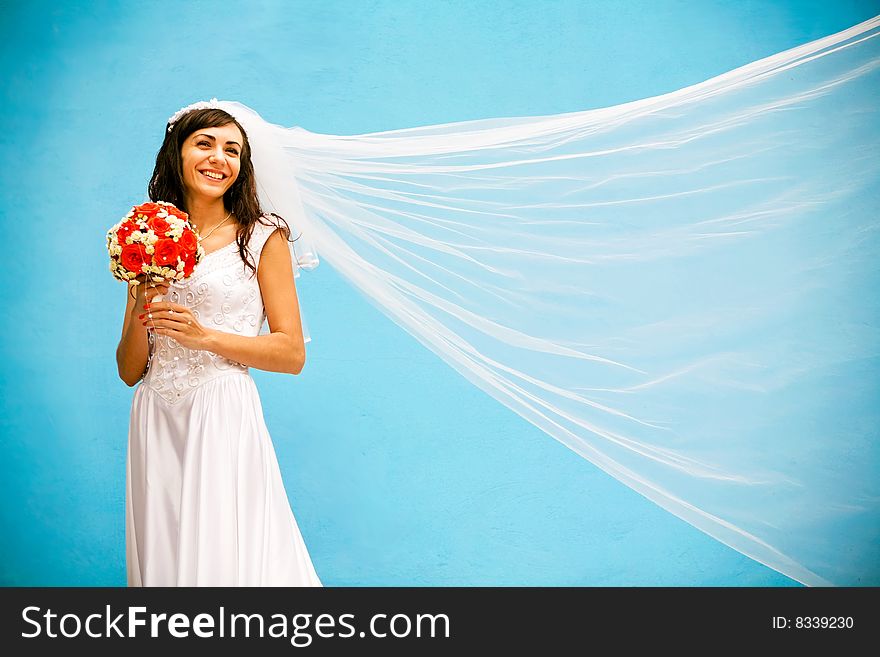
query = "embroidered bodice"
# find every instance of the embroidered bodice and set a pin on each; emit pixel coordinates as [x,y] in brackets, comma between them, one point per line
[223,294]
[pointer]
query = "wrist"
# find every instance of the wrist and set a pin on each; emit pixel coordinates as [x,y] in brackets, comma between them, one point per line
[209,339]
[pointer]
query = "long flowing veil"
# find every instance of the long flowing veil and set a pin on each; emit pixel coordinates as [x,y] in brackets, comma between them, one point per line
[681,289]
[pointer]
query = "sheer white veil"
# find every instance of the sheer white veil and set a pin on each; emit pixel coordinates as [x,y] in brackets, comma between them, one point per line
[681,289]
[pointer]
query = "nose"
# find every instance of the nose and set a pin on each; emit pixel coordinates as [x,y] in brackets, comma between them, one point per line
[217,157]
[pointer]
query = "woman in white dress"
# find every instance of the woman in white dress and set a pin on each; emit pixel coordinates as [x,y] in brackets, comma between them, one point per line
[205,501]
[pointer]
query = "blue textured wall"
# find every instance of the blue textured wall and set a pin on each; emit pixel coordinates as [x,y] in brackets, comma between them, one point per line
[398,470]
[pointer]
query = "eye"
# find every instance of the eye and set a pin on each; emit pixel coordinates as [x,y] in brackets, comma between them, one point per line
[206,143]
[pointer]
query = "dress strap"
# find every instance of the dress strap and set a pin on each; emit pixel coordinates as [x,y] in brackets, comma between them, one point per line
[263,229]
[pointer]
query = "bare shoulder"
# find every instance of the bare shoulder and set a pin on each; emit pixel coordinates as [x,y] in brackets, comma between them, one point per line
[272,234]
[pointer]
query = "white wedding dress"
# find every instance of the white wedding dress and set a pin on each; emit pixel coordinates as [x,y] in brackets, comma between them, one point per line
[205,502]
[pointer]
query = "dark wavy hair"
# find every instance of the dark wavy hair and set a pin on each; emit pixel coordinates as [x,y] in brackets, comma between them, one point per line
[166,183]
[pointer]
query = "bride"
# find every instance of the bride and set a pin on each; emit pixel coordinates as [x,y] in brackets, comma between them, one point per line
[205,501]
[680,289]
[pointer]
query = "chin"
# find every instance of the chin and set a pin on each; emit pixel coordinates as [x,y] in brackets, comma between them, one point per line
[209,190]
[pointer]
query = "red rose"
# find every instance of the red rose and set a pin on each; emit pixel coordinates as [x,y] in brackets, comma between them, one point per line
[188,265]
[165,253]
[159,226]
[188,242]
[149,210]
[134,257]
[125,230]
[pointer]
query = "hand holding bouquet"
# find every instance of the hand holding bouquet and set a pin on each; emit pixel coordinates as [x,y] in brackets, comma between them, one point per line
[153,243]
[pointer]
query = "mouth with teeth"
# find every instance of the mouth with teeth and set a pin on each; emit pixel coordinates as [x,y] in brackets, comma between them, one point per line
[213,175]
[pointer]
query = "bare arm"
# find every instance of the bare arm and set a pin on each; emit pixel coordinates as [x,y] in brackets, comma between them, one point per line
[284,349]
[132,352]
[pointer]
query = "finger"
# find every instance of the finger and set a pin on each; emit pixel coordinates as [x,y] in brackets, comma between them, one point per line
[152,314]
[151,294]
[164,324]
[165,306]
[166,318]
[157,306]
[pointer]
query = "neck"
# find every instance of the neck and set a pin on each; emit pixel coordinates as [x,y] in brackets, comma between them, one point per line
[204,213]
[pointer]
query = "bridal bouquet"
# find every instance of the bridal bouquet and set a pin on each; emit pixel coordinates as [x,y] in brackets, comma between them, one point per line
[154,242]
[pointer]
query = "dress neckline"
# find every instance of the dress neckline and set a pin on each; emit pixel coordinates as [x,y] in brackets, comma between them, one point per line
[225,246]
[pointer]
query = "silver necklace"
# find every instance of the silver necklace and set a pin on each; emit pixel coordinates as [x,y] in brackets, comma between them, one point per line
[204,237]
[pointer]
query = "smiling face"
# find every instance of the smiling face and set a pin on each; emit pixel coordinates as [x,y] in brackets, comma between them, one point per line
[211,160]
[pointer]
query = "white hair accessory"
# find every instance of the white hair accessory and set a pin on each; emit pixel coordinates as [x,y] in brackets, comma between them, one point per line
[202,104]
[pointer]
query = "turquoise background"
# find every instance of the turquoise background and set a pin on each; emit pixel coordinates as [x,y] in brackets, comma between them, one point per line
[399,471]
